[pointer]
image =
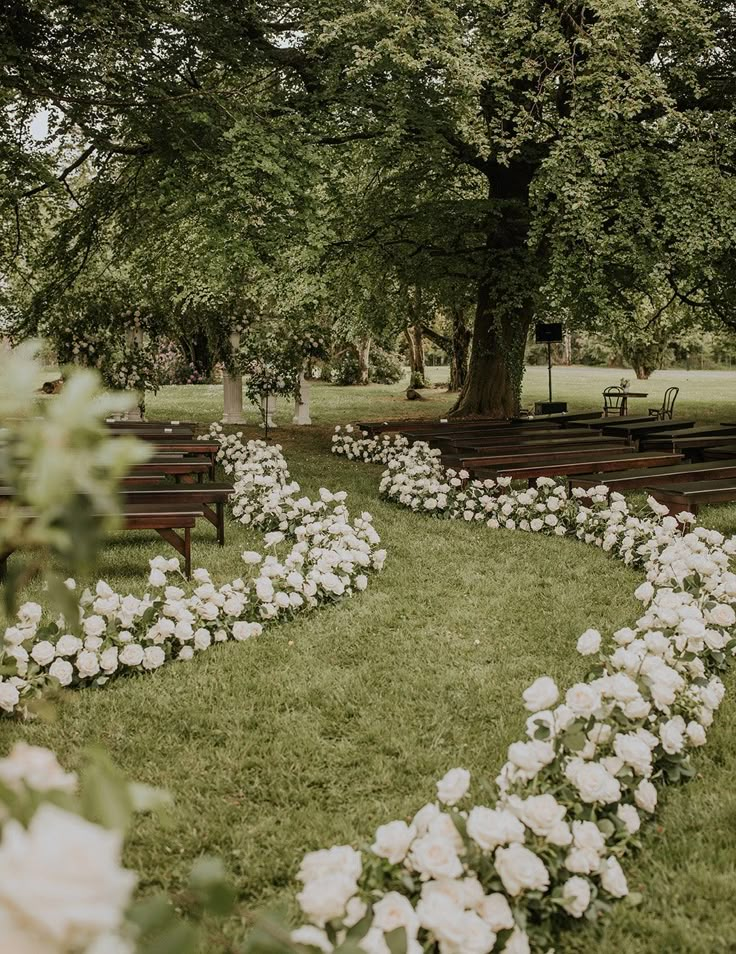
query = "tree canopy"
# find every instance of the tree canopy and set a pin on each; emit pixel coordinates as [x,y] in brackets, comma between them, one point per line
[538,158]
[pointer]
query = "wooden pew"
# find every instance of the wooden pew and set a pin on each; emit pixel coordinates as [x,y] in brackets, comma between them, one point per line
[544,458]
[692,496]
[637,430]
[677,473]
[166,521]
[204,496]
[691,447]
[178,467]
[604,465]
[484,445]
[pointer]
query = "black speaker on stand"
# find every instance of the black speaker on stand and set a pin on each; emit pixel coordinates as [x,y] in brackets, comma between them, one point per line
[549,333]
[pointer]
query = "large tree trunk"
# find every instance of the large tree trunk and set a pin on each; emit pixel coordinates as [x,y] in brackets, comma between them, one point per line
[506,294]
[415,350]
[493,386]
[364,353]
[460,350]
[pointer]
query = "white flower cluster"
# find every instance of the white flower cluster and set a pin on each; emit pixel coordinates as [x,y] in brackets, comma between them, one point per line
[328,556]
[63,888]
[370,450]
[460,878]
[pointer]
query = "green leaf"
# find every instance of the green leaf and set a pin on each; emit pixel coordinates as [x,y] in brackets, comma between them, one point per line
[396,941]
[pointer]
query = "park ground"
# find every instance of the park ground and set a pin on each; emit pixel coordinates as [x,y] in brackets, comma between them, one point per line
[335,723]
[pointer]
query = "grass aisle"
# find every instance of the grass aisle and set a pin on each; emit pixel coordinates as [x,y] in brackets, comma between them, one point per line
[342,720]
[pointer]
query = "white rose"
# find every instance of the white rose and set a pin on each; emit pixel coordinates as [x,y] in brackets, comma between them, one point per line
[62,670]
[311,936]
[68,645]
[94,626]
[518,943]
[645,796]
[153,657]
[542,694]
[491,827]
[696,733]
[43,652]
[672,734]
[62,875]
[393,841]
[588,644]
[156,578]
[576,896]
[521,870]
[630,817]
[436,857]
[496,912]
[582,699]
[340,859]
[645,592]
[109,659]
[634,752]
[131,654]
[202,639]
[394,911]
[324,899]
[37,768]
[251,557]
[424,818]
[88,664]
[542,813]
[453,786]
[613,878]
[722,615]
[594,783]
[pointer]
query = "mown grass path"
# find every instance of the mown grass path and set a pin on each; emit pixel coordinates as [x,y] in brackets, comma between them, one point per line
[337,722]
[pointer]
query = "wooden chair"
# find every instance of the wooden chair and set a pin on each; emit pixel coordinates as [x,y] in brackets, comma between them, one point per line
[664,413]
[614,401]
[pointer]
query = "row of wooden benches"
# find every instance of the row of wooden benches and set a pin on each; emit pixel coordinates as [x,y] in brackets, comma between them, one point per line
[624,453]
[152,502]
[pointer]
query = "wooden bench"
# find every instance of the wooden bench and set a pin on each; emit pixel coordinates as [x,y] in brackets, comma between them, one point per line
[176,466]
[722,452]
[599,422]
[204,496]
[554,442]
[166,521]
[678,473]
[533,458]
[189,447]
[603,465]
[691,447]
[638,430]
[692,496]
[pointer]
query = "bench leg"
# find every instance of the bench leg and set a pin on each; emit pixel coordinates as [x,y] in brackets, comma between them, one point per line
[217,518]
[182,546]
[220,508]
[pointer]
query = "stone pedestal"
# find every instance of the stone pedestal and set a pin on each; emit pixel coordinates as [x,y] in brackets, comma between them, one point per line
[232,386]
[301,404]
[268,406]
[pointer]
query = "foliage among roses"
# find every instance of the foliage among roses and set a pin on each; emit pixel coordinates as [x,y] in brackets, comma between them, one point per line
[63,886]
[508,875]
[316,555]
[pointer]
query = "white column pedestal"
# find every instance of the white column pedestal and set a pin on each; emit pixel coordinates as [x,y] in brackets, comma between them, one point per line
[268,406]
[301,404]
[232,386]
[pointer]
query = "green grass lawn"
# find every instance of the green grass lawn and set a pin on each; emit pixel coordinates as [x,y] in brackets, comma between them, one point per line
[339,721]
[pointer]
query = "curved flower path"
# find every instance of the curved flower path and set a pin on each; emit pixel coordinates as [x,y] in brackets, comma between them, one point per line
[470,879]
[327,557]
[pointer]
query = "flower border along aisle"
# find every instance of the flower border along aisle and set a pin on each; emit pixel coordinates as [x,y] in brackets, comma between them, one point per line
[328,558]
[461,878]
